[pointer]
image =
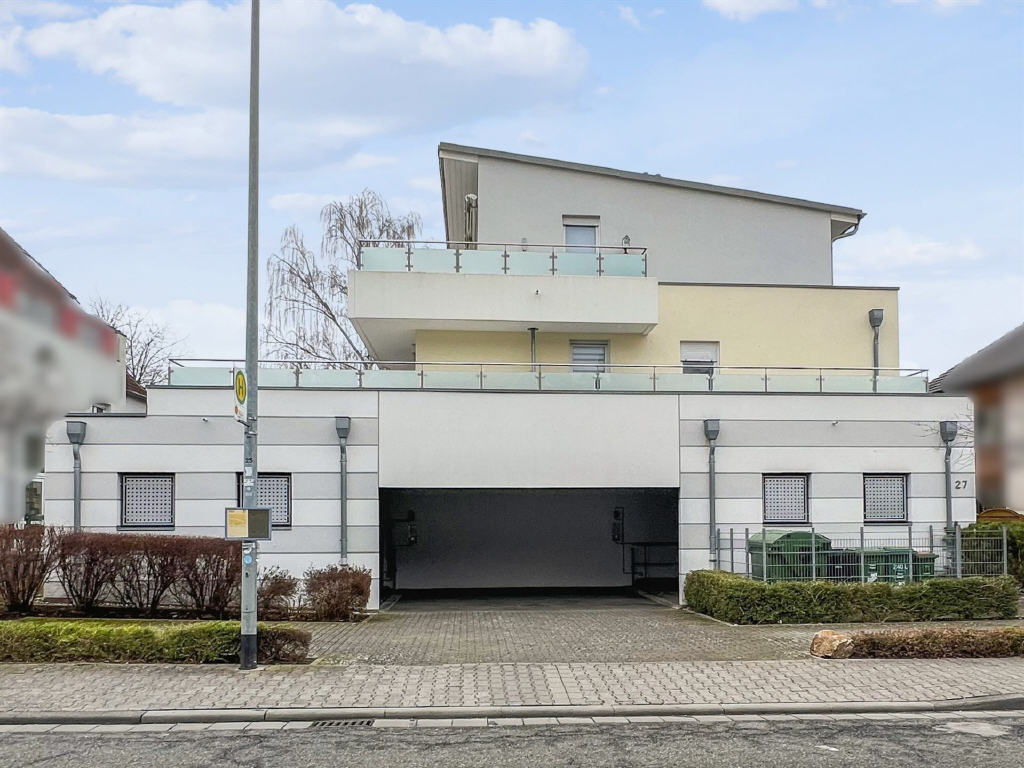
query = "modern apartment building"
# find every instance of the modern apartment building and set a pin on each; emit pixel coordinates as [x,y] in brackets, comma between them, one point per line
[594,375]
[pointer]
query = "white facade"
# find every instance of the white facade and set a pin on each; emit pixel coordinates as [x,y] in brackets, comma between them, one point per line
[607,447]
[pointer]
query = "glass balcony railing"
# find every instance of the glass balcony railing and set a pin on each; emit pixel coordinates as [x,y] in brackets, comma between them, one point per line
[501,258]
[552,377]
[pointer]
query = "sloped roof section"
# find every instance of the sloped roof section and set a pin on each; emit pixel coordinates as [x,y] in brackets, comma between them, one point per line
[1002,358]
[652,178]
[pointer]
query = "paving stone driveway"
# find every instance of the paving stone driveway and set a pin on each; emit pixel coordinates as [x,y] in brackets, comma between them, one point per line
[614,628]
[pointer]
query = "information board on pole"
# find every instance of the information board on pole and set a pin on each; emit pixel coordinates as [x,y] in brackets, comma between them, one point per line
[247,524]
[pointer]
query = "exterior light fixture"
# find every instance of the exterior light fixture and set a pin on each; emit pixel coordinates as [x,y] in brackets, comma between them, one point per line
[523,243]
[625,241]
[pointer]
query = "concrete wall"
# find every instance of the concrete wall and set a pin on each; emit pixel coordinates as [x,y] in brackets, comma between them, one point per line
[757,326]
[691,236]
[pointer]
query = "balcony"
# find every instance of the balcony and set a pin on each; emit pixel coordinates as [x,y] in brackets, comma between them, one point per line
[553,377]
[501,258]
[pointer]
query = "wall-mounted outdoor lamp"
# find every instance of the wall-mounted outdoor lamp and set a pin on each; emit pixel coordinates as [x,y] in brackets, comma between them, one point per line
[712,428]
[342,425]
[875,317]
[76,436]
[625,243]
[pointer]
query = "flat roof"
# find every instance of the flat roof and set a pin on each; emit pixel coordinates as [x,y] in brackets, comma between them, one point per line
[652,178]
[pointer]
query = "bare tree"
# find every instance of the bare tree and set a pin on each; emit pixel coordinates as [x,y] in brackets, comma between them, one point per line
[148,344]
[307,294]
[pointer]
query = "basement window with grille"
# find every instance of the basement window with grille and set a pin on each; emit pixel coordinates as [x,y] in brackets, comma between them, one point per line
[147,501]
[275,492]
[885,498]
[785,499]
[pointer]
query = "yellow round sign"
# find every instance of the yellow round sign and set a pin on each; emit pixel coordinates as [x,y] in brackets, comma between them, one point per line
[240,387]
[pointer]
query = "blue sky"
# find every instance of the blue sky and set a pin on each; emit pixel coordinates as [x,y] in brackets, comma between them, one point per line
[123,131]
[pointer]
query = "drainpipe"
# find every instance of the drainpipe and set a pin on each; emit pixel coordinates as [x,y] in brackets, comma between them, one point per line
[875,319]
[947,431]
[533,349]
[711,431]
[342,424]
[76,436]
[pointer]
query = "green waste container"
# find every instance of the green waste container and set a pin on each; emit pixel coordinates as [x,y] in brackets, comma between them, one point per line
[787,555]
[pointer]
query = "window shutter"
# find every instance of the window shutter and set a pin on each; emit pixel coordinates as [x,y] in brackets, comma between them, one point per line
[148,500]
[274,491]
[885,497]
[785,499]
[588,358]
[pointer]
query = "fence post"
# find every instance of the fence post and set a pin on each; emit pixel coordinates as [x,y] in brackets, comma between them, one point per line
[746,548]
[910,551]
[1005,558]
[863,575]
[718,548]
[957,551]
[764,554]
[814,558]
[732,553]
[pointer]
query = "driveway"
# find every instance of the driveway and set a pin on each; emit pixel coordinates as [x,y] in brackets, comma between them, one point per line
[556,629]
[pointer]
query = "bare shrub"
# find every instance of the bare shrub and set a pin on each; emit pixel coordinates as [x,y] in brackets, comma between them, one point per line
[337,592]
[86,566]
[208,575]
[26,558]
[275,593]
[147,566]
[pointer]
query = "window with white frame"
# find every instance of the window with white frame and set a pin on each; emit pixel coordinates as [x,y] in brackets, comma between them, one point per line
[147,501]
[580,234]
[698,356]
[588,356]
[273,491]
[785,499]
[885,498]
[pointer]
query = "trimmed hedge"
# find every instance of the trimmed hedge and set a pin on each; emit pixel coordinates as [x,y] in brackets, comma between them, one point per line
[209,642]
[739,600]
[939,643]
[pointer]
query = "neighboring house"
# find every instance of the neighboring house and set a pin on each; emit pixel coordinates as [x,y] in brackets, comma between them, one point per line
[993,377]
[550,388]
[54,357]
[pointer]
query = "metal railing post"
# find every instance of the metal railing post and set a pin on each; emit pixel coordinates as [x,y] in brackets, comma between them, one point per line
[458,259]
[863,570]
[1006,564]
[504,260]
[359,255]
[554,258]
[645,262]
[600,262]
[408,256]
[732,552]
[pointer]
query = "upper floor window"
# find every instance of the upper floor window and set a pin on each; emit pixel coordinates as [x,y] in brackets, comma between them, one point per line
[580,234]
[785,499]
[698,356]
[273,491]
[147,501]
[885,498]
[588,356]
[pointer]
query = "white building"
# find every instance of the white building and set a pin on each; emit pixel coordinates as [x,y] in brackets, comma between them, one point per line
[551,375]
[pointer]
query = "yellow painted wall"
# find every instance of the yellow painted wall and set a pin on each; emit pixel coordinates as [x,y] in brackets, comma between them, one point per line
[756,326]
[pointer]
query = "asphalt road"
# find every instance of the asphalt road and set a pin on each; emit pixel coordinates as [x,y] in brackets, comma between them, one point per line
[991,743]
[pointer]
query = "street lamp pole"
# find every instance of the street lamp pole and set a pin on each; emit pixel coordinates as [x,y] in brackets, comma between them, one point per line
[250,474]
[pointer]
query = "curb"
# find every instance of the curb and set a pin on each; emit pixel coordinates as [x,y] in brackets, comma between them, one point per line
[306,714]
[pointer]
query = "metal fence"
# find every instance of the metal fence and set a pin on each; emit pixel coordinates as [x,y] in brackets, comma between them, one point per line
[868,555]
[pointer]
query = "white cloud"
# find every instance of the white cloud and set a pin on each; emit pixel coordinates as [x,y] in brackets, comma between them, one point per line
[895,249]
[10,50]
[207,329]
[300,202]
[362,160]
[628,15]
[939,4]
[330,78]
[745,10]
[42,9]
[424,183]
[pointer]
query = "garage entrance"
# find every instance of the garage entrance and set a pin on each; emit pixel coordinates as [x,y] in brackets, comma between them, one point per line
[457,539]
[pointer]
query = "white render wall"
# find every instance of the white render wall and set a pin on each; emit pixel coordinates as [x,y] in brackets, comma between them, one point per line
[691,235]
[424,439]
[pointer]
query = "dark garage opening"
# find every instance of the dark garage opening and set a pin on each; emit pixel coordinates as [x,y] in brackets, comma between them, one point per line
[501,539]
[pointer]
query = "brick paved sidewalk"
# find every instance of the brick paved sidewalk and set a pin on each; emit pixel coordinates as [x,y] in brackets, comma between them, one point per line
[100,687]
